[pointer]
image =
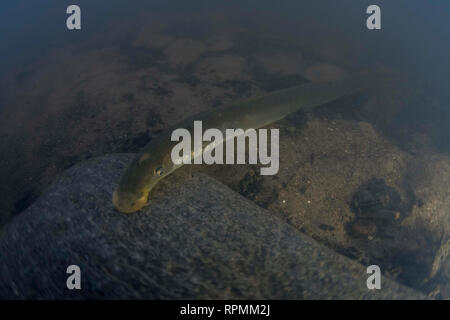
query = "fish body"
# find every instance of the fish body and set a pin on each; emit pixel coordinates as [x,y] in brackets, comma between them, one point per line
[154,162]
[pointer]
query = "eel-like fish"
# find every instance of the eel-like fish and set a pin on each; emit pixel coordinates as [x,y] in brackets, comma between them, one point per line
[154,162]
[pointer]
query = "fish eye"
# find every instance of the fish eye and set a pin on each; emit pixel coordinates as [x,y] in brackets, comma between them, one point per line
[159,171]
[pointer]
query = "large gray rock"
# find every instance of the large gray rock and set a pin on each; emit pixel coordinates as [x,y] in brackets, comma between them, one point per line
[197,239]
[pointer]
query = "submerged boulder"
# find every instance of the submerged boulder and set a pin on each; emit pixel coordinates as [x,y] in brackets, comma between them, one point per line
[196,239]
[348,186]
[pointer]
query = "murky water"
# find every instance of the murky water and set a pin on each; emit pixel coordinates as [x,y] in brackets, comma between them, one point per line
[134,70]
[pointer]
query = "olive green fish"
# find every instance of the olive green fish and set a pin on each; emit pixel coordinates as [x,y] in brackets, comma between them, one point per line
[154,162]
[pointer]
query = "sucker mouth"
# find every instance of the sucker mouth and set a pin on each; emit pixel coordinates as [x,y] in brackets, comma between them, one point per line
[133,207]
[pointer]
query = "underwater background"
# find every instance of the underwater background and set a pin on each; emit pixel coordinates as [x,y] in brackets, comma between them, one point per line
[367,176]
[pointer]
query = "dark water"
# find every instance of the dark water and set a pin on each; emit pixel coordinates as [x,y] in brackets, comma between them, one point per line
[37,137]
[414,39]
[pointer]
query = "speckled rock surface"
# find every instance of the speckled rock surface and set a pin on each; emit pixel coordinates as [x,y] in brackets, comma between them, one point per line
[348,186]
[197,239]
